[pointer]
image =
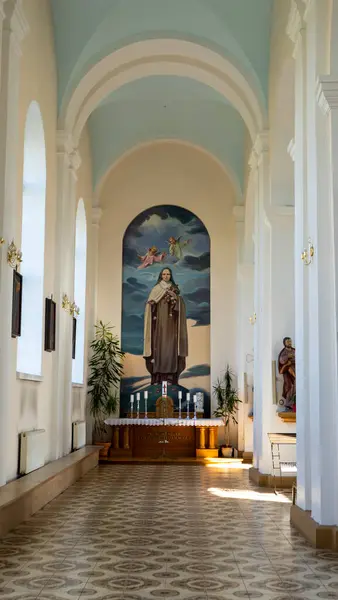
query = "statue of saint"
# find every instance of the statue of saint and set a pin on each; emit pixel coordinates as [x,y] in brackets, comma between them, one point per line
[165,331]
[287,368]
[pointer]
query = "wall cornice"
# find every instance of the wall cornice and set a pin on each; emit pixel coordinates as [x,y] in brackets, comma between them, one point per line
[327,93]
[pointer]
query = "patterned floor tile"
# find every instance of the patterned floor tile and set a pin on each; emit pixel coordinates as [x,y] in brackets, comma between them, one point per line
[146,532]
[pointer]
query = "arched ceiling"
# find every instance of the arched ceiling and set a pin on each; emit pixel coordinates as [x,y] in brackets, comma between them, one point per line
[164,105]
[87,30]
[156,108]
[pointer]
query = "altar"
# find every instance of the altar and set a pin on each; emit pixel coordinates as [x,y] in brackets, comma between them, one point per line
[164,437]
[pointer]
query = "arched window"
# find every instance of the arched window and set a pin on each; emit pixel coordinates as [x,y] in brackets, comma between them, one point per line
[80,291]
[29,358]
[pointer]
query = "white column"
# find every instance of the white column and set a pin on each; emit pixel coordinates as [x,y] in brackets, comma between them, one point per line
[323,388]
[14,28]
[245,303]
[94,269]
[68,163]
[94,258]
[263,406]
[297,148]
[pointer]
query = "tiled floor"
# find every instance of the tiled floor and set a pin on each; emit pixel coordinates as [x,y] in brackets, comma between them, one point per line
[144,532]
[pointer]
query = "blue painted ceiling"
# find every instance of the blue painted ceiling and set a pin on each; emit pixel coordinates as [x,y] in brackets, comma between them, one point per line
[87,30]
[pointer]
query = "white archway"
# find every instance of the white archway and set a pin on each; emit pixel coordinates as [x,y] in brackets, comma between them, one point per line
[29,356]
[162,57]
[80,274]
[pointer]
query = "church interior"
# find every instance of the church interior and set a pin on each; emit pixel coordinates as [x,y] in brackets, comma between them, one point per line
[169,299]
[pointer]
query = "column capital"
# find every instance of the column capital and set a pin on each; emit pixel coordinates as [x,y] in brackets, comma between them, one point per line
[292,149]
[327,93]
[15,22]
[238,213]
[259,148]
[295,23]
[96,216]
[66,147]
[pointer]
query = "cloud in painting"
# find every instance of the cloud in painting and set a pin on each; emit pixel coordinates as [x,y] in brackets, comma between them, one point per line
[130,256]
[199,296]
[200,314]
[196,371]
[132,286]
[197,227]
[197,263]
[132,327]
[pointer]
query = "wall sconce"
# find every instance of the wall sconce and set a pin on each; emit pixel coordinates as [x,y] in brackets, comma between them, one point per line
[253,319]
[70,307]
[2,241]
[308,254]
[14,256]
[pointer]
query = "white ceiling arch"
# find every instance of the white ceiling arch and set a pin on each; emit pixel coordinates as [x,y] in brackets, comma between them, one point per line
[162,57]
[225,168]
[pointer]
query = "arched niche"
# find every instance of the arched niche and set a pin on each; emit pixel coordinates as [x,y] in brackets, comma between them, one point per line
[29,356]
[171,237]
[80,291]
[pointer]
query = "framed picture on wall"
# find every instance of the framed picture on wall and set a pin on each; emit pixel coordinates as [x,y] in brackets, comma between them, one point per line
[50,323]
[16,304]
[74,338]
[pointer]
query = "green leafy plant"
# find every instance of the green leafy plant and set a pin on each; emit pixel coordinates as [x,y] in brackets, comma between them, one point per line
[106,368]
[227,401]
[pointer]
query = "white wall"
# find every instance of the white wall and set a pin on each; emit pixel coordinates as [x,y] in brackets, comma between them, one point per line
[32,404]
[172,173]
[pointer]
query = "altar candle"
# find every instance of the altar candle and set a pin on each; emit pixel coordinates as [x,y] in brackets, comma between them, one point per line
[138,396]
[188,397]
[145,405]
[188,400]
[131,399]
[195,398]
[131,404]
[180,395]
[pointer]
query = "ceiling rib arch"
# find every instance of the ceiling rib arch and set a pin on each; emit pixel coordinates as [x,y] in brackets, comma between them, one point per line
[162,57]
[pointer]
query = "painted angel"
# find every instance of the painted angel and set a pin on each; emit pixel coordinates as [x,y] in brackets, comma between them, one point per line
[151,257]
[176,246]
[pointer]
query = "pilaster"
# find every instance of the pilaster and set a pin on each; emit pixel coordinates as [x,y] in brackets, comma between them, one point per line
[13,27]
[68,161]
[297,148]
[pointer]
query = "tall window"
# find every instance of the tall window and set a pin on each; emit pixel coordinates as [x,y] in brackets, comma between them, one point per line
[80,291]
[29,358]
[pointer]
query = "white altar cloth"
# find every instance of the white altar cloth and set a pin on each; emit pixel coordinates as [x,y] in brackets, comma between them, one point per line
[158,422]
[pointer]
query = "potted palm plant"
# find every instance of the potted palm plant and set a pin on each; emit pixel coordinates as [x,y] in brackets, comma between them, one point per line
[106,368]
[227,405]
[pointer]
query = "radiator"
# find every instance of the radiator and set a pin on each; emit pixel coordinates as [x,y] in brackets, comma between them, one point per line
[32,450]
[79,434]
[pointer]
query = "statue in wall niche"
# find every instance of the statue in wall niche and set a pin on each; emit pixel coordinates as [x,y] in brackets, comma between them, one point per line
[287,368]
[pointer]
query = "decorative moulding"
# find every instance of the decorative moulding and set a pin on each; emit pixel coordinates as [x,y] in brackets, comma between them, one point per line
[287,417]
[29,377]
[294,24]
[327,93]
[292,148]
[260,146]
[239,213]
[96,216]
[65,146]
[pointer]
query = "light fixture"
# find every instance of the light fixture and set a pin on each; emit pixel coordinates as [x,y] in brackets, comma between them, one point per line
[14,255]
[70,307]
[253,319]
[308,253]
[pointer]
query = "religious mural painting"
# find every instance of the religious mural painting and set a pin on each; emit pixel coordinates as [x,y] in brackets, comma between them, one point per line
[166,307]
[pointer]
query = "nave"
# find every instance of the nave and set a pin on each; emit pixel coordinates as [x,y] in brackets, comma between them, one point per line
[142,532]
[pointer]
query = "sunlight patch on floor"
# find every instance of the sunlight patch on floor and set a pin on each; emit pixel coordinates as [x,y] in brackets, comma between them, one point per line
[250,495]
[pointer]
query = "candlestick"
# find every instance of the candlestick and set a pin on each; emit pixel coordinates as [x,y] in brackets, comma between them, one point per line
[180,405]
[164,388]
[145,405]
[188,401]
[131,405]
[138,396]
[195,406]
